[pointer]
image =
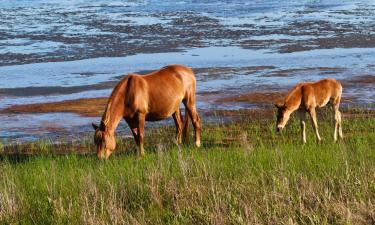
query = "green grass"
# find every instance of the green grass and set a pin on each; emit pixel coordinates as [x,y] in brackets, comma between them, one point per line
[245,173]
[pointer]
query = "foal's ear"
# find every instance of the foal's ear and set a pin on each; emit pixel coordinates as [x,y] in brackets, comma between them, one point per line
[278,105]
[94,126]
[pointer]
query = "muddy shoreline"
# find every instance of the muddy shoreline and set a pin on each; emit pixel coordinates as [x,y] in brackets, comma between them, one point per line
[94,107]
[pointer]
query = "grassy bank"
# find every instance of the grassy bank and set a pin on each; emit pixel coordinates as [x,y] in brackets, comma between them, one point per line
[244,174]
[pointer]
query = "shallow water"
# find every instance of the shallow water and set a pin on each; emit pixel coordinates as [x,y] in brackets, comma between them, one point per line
[60,50]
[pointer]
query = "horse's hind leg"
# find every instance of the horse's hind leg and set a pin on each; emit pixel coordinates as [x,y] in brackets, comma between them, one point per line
[192,110]
[314,123]
[178,122]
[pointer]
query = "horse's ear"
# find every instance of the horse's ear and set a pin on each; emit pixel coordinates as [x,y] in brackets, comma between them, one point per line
[278,105]
[94,126]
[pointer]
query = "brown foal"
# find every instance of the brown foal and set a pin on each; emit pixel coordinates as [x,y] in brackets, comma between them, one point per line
[305,97]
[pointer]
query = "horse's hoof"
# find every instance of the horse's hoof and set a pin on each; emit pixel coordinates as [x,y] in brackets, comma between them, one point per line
[198,144]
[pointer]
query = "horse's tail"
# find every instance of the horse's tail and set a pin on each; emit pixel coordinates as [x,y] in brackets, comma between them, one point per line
[185,128]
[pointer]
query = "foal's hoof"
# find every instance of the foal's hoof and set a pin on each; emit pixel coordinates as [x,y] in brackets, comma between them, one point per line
[338,141]
[141,154]
[198,144]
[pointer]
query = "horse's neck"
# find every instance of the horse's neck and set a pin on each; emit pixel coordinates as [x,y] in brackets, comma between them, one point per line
[114,111]
[294,99]
[111,124]
[116,105]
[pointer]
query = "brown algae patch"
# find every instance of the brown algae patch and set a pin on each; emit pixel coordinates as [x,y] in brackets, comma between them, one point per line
[360,80]
[254,97]
[90,107]
[226,73]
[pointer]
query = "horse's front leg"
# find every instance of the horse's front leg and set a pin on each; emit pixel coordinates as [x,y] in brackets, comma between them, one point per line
[133,125]
[141,127]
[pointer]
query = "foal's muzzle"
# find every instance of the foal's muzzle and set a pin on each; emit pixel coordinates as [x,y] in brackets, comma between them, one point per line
[279,129]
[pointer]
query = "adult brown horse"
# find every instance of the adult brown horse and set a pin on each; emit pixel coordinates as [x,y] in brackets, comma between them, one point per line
[305,97]
[151,97]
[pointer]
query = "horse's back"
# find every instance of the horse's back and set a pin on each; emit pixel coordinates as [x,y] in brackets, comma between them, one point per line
[173,78]
[329,86]
[323,91]
[162,90]
[170,74]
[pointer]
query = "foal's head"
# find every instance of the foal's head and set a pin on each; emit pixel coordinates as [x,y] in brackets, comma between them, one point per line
[283,115]
[104,141]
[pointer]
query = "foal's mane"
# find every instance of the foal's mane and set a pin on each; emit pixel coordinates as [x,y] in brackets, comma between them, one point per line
[292,92]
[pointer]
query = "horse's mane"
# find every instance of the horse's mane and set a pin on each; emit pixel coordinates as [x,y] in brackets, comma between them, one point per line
[106,115]
[106,118]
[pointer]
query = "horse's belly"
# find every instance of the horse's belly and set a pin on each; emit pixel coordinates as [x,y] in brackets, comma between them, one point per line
[157,116]
[163,109]
[323,102]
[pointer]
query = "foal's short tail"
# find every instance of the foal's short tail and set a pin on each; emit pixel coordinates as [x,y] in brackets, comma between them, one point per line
[185,128]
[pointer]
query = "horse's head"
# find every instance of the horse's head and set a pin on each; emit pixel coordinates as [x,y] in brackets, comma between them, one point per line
[104,141]
[283,115]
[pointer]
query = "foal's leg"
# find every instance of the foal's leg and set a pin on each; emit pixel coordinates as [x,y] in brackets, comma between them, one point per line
[141,127]
[338,128]
[314,123]
[336,124]
[178,122]
[302,116]
[192,110]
